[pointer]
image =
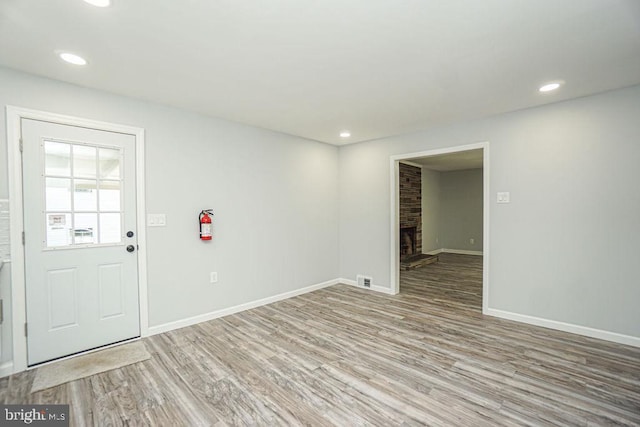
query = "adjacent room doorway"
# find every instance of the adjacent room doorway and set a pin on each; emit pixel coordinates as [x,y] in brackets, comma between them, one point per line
[460,165]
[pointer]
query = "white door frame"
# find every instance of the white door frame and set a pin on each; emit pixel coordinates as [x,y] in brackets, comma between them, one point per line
[16,217]
[395,213]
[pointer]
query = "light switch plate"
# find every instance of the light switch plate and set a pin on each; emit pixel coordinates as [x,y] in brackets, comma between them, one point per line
[156,220]
[503,197]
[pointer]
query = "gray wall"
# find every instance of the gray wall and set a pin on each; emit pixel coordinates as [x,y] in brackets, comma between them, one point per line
[430,210]
[291,212]
[452,209]
[461,209]
[274,197]
[566,247]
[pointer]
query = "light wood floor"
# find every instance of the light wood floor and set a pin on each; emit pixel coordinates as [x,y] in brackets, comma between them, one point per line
[345,356]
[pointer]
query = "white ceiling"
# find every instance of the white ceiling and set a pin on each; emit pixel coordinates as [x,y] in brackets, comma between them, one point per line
[315,67]
[470,159]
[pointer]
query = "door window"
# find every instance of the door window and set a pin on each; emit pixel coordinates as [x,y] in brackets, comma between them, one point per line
[83,194]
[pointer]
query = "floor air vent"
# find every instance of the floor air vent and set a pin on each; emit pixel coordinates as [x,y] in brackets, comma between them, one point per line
[364,281]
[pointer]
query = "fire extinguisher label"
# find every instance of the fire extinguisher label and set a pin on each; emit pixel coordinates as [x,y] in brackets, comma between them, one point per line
[206,230]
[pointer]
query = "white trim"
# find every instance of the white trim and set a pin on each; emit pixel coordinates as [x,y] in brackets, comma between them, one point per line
[374,288]
[434,252]
[6,369]
[18,301]
[394,198]
[486,189]
[170,326]
[394,209]
[141,221]
[461,252]
[566,327]
[14,115]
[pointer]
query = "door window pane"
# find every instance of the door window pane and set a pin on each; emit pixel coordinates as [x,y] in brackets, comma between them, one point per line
[85,195]
[85,228]
[58,229]
[84,161]
[109,161]
[57,158]
[109,196]
[58,194]
[86,207]
[110,230]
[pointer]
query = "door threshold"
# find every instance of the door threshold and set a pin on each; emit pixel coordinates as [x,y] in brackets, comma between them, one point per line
[84,352]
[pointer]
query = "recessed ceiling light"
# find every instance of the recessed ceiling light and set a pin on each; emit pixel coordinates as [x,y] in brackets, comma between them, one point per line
[73,59]
[99,3]
[549,87]
[345,134]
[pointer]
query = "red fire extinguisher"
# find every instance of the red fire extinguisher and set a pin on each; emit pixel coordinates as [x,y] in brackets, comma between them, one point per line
[205,224]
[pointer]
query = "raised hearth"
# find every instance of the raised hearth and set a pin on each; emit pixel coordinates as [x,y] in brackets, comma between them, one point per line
[417,260]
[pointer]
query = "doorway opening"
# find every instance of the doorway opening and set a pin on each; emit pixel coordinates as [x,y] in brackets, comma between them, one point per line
[440,221]
[68,225]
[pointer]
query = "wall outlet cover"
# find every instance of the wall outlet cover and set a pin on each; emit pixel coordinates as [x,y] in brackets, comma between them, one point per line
[156,220]
[504,197]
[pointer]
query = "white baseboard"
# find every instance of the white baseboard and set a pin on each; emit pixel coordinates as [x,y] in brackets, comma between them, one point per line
[166,327]
[453,251]
[434,252]
[461,252]
[566,327]
[375,288]
[6,369]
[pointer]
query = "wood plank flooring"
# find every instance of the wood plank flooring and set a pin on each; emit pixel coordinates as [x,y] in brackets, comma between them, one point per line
[345,356]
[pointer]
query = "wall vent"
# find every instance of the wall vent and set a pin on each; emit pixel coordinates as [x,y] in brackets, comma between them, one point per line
[364,281]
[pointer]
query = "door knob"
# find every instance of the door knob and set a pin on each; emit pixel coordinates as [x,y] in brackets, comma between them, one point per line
[131,248]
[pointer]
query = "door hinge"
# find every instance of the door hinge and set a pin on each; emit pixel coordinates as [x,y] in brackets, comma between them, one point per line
[21,145]
[1,311]
[23,237]
[25,329]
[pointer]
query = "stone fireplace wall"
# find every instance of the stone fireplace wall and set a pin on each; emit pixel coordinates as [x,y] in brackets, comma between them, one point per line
[411,201]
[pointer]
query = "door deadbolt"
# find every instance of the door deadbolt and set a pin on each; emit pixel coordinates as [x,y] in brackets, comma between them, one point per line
[129,233]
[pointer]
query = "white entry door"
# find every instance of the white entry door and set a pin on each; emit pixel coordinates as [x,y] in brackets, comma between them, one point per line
[80,239]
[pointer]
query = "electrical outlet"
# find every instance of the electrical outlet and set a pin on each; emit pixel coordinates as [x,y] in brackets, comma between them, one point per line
[504,197]
[213,277]
[472,241]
